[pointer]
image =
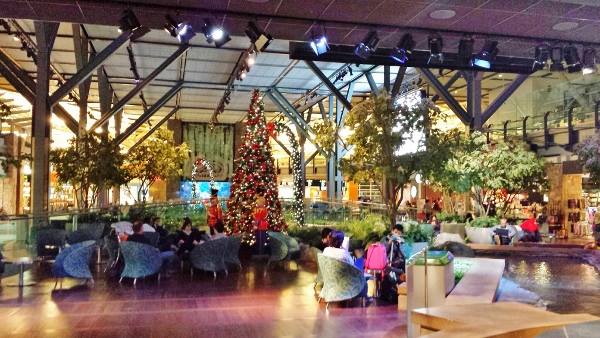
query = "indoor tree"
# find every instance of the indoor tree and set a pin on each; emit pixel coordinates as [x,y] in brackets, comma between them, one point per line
[90,163]
[391,143]
[588,152]
[157,158]
[495,172]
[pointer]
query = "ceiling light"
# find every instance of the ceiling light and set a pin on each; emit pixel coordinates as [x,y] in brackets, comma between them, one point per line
[488,53]
[571,55]
[214,34]
[171,25]
[542,53]
[465,50]
[258,37]
[436,44]
[128,22]
[368,44]
[319,44]
[556,55]
[403,48]
[589,61]
[251,60]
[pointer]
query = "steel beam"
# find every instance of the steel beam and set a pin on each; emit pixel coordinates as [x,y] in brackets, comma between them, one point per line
[80,42]
[287,151]
[328,84]
[500,99]
[547,137]
[448,84]
[398,81]
[155,127]
[140,86]
[146,115]
[299,50]
[525,127]
[310,158]
[322,110]
[342,114]
[26,86]
[290,108]
[474,99]
[89,68]
[372,83]
[45,34]
[445,95]
[387,78]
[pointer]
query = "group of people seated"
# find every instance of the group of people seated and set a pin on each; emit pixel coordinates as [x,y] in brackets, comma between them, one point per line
[502,234]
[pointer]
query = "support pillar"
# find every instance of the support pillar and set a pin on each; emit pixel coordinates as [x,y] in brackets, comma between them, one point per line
[105,98]
[80,42]
[45,33]
[474,99]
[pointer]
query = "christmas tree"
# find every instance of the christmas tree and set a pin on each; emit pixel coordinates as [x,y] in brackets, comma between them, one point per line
[255,172]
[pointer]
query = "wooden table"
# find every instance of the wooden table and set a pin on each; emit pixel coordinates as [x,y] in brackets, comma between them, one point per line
[505,319]
[21,261]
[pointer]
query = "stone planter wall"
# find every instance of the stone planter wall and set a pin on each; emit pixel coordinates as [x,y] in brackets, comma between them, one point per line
[478,235]
[454,228]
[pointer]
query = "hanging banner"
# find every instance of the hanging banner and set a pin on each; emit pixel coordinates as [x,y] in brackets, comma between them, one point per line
[214,145]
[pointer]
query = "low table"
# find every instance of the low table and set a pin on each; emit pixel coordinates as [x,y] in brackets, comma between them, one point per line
[21,261]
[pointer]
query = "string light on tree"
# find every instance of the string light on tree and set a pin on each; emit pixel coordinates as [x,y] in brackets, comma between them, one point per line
[201,163]
[255,170]
[298,203]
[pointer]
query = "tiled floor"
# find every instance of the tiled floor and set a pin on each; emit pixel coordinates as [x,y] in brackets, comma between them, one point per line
[256,302]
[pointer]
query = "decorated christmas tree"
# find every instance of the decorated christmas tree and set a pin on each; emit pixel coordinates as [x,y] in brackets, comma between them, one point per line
[255,175]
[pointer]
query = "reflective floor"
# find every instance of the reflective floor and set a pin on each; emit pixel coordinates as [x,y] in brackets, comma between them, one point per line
[256,302]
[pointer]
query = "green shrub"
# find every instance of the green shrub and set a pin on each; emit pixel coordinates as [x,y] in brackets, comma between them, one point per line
[460,268]
[444,217]
[370,229]
[415,232]
[310,235]
[484,222]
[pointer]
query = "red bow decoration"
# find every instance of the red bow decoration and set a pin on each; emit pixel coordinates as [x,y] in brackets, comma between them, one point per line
[271,129]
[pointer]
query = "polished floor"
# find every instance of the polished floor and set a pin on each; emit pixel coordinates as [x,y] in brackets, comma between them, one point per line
[255,302]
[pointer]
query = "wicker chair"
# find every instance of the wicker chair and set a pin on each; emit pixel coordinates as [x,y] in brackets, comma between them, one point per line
[153,237]
[233,250]
[74,261]
[283,247]
[141,260]
[209,256]
[319,278]
[49,242]
[341,281]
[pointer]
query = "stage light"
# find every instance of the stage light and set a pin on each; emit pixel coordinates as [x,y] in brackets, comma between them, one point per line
[403,48]
[571,55]
[589,61]
[368,44]
[214,34]
[185,33]
[128,22]
[258,37]
[484,58]
[542,53]
[171,25]
[465,50]
[436,45]
[319,44]
[556,55]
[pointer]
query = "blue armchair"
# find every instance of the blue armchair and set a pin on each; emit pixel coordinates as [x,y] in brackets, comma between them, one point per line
[341,280]
[74,261]
[283,247]
[209,256]
[153,237]
[141,260]
[232,252]
[319,278]
[79,236]
[49,242]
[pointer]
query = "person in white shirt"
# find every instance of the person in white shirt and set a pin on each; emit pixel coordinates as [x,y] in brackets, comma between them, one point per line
[335,250]
[220,229]
[147,227]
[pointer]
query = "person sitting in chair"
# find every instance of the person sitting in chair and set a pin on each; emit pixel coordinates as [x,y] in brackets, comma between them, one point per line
[501,233]
[335,250]
[324,239]
[220,229]
[169,259]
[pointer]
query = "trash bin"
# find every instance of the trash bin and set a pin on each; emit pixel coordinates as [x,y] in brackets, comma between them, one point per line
[440,279]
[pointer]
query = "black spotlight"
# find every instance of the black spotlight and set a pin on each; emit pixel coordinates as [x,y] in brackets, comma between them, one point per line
[542,53]
[436,44]
[128,22]
[318,43]
[368,44]
[571,55]
[589,60]
[488,53]
[214,34]
[171,25]
[403,48]
[556,55]
[258,37]
[465,50]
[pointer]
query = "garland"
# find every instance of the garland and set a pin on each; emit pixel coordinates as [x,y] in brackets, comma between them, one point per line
[201,163]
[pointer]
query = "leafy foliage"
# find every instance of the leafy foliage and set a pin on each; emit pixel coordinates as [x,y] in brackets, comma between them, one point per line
[588,152]
[381,129]
[156,158]
[326,135]
[7,160]
[415,232]
[484,222]
[89,163]
[495,172]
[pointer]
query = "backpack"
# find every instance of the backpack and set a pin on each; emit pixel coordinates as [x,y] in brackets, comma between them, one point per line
[376,257]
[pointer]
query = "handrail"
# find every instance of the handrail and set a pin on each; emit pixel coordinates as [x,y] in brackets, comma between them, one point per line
[412,260]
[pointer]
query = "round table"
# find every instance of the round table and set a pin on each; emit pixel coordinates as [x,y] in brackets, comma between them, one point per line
[21,261]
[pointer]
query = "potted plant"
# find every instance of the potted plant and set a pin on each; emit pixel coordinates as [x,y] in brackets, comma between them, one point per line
[452,224]
[417,236]
[478,230]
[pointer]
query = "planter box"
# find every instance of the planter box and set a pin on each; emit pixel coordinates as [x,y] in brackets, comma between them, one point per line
[454,228]
[479,235]
[416,248]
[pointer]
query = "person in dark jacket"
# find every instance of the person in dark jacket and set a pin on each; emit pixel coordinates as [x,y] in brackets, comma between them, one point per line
[169,259]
